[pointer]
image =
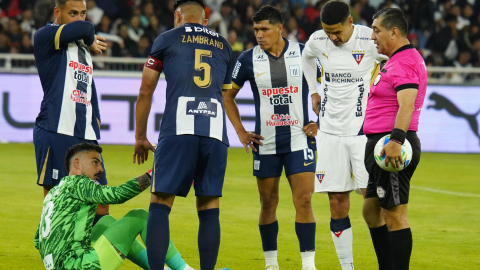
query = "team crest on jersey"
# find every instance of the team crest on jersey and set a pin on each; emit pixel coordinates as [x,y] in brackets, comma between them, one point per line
[320,176]
[380,192]
[294,70]
[358,56]
[260,58]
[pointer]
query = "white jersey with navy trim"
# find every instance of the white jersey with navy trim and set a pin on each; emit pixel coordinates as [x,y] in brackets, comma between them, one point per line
[346,79]
[281,96]
[70,103]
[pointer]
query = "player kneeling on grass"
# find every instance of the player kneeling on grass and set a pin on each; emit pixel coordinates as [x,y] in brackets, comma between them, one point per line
[65,234]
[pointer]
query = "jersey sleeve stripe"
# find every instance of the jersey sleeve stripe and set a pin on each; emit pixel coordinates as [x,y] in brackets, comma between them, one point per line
[321,75]
[44,168]
[57,37]
[227,86]
[406,86]
[375,71]
[236,86]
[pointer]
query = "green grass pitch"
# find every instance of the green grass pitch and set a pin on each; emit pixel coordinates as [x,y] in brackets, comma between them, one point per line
[446,227]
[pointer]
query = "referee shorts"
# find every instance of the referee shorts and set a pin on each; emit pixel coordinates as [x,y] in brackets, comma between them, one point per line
[391,188]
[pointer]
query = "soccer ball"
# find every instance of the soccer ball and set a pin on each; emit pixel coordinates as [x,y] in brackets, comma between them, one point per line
[406,154]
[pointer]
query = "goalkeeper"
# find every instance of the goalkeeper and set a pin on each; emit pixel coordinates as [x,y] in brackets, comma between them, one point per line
[65,234]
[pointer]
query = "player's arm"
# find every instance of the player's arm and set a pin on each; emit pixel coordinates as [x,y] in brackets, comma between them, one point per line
[90,191]
[150,76]
[310,70]
[95,103]
[36,240]
[79,30]
[246,138]
[406,83]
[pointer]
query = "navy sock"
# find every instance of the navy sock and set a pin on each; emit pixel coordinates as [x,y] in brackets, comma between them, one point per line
[208,237]
[401,248]
[306,235]
[269,233]
[383,247]
[339,225]
[97,218]
[158,235]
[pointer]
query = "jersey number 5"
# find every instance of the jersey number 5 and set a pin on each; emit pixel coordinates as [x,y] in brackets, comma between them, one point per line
[199,66]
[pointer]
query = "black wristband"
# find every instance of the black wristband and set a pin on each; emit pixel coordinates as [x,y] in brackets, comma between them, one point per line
[398,134]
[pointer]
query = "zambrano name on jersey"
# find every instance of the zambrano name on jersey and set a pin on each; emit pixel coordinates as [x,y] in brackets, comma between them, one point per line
[202,40]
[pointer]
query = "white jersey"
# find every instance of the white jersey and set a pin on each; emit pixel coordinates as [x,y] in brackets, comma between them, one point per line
[281,96]
[346,79]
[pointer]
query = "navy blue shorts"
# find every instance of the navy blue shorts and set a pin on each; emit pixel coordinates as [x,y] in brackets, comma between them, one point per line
[50,151]
[293,162]
[183,159]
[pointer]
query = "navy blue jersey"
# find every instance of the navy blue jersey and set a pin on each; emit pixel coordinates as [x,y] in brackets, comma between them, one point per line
[280,92]
[197,63]
[70,104]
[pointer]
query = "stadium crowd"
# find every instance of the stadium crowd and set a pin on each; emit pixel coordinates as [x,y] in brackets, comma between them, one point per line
[446,32]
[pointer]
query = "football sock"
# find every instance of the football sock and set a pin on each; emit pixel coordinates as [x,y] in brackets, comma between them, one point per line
[101,226]
[208,237]
[174,259]
[269,233]
[97,218]
[401,241]
[306,238]
[158,231]
[342,236]
[383,247]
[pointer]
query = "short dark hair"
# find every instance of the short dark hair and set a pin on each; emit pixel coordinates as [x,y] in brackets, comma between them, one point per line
[268,13]
[62,3]
[78,148]
[334,12]
[179,3]
[393,17]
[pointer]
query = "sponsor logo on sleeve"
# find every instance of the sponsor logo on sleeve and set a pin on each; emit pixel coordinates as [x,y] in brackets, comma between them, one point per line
[236,69]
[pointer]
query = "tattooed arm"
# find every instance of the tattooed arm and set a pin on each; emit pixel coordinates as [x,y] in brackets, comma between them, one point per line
[90,191]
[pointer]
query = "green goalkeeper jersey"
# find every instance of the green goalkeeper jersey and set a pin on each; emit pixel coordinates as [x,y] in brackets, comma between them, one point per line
[63,235]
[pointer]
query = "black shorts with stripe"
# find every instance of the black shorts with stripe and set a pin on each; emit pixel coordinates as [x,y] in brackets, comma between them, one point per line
[391,188]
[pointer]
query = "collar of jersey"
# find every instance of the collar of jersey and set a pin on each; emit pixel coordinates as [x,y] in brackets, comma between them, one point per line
[353,37]
[284,50]
[403,48]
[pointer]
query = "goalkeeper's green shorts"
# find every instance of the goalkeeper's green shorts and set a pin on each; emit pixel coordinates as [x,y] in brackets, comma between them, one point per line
[107,254]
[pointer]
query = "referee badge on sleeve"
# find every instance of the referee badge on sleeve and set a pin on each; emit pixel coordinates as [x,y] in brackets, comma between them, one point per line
[377,79]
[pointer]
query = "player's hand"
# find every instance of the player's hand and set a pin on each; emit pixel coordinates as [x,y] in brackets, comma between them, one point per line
[248,138]
[311,129]
[140,153]
[98,45]
[393,154]
[316,103]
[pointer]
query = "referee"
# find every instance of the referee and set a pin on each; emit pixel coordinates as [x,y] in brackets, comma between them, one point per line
[393,107]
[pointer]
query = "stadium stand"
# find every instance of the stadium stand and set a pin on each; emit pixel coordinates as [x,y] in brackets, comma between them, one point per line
[446,32]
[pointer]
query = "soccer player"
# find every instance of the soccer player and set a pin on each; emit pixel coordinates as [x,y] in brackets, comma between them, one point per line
[65,231]
[69,112]
[348,59]
[283,136]
[394,107]
[192,145]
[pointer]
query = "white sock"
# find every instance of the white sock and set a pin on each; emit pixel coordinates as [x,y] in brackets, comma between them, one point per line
[343,244]
[308,259]
[270,258]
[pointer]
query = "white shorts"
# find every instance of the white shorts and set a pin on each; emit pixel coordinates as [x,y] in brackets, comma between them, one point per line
[340,163]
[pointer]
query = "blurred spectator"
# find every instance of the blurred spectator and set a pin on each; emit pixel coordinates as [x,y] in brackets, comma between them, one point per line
[463,61]
[154,28]
[134,30]
[367,11]
[127,47]
[217,23]
[14,33]
[413,38]
[446,39]
[237,46]
[105,25]
[148,11]
[143,47]
[294,32]
[420,14]
[302,20]
[4,43]
[227,12]
[166,16]
[26,46]
[215,5]
[94,13]
[28,23]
